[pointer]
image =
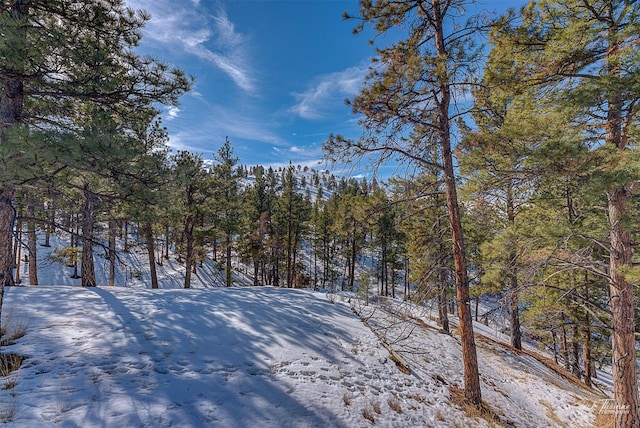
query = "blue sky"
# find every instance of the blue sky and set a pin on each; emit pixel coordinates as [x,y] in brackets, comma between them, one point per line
[272,75]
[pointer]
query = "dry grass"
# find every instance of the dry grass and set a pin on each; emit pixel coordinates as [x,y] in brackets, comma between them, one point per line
[552,414]
[8,412]
[376,408]
[473,411]
[368,415]
[605,417]
[346,399]
[604,420]
[394,404]
[10,363]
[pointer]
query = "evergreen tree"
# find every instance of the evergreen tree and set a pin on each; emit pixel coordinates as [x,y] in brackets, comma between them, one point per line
[407,104]
[226,179]
[189,183]
[257,217]
[57,55]
[584,53]
[427,230]
[291,213]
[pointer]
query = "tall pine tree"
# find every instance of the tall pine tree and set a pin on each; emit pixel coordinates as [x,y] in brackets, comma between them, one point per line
[407,103]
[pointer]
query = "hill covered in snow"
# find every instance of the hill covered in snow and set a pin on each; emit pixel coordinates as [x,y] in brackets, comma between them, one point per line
[260,357]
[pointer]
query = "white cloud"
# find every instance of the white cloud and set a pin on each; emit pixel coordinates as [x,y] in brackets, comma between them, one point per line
[172,112]
[219,122]
[312,163]
[186,28]
[328,89]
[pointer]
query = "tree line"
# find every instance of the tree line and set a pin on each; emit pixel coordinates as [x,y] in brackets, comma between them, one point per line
[521,162]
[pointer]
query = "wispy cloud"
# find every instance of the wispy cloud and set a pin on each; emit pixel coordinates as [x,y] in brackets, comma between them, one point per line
[172,112]
[184,27]
[326,91]
[219,122]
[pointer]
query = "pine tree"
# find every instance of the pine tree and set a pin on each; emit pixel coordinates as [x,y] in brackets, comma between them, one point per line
[291,212]
[584,53]
[227,189]
[56,55]
[257,209]
[407,104]
[189,183]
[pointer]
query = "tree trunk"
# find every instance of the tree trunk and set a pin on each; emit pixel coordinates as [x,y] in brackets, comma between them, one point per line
[228,269]
[7,219]
[87,270]
[125,232]
[586,356]
[148,232]
[74,244]
[51,217]
[112,252]
[554,343]
[32,245]
[586,333]
[564,348]
[442,301]
[623,344]
[407,293]
[17,252]
[11,105]
[472,389]
[166,242]
[188,236]
[514,316]
[256,271]
[354,254]
[575,354]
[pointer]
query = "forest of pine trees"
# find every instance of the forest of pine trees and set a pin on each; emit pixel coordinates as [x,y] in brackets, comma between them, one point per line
[528,195]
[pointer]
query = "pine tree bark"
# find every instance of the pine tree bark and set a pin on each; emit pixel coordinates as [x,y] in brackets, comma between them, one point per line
[7,221]
[87,270]
[11,106]
[564,348]
[586,344]
[50,209]
[443,318]
[32,245]
[188,236]
[623,343]
[229,268]
[575,352]
[112,252]
[17,251]
[513,294]
[148,232]
[465,327]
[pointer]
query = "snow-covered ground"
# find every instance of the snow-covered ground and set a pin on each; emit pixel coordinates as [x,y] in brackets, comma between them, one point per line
[253,357]
[129,356]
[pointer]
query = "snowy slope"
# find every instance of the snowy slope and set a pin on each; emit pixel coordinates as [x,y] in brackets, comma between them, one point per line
[255,357]
[252,357]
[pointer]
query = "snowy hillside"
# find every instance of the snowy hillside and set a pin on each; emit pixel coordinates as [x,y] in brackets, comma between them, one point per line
[257,357]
